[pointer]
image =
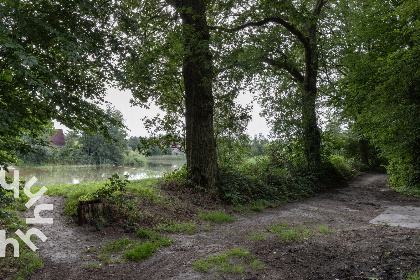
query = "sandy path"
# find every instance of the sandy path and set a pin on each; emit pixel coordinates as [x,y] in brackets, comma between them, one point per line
[355,250]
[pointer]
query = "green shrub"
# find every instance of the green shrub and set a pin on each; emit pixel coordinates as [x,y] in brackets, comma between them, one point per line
[261,180]
[343,166]
[113,190]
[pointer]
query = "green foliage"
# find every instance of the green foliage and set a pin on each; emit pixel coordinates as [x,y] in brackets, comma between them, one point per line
[343,166]
[414,275]
[28,261]
[144,233]
[117,245]
[55,60]
[263,179]
[113,190]
[85,147]
[235,261]
[381,89]
[216,217]
[179,176]
[76,192]
[143,250]
[258,145]
[7,200]
[22,267]
[135,250]
[325,230]
[285,233]
[187,227]
[259,236]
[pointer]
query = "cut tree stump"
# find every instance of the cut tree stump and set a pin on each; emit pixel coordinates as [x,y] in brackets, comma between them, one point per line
[91,211]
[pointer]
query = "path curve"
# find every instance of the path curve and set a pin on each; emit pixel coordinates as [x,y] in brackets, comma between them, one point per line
[355,250]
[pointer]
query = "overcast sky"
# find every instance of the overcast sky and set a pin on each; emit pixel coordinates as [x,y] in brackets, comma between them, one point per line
[133,115]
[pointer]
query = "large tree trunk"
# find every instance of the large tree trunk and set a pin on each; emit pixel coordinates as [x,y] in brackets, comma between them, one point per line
[198,76]
[311,133]
[364,153]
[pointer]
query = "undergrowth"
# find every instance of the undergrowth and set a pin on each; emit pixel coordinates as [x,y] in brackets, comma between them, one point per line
[414,275]
[236,261]
[28,262]
[133,250]
[73,193]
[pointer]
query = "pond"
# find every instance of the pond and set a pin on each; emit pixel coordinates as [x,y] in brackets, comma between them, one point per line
[70,174]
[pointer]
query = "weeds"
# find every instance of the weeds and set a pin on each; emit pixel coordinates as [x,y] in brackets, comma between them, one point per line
[414,275]
[216,217]
[93,265]
[134,250]
[289,234]
[235,261]
[186,227]
[73,193]
[257,236]
[325,230]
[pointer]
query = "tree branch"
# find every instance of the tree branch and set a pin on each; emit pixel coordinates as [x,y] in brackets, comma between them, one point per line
[291,28]
[318,7]
[292,70]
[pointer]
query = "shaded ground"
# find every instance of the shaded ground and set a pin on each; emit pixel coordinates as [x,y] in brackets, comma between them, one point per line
[356,249]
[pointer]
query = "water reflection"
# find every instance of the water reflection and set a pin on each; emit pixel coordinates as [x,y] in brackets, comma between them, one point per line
[58,175]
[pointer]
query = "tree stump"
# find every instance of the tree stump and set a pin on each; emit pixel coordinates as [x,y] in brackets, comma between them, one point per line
[91,211]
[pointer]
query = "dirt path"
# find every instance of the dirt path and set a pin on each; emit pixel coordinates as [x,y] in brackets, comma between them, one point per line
[357,249]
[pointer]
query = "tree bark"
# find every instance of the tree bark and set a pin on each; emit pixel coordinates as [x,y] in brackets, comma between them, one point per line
[199,103]
[363,150]
[311,133]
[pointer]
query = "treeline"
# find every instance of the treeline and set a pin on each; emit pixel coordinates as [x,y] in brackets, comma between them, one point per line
[310,64]
[92,148]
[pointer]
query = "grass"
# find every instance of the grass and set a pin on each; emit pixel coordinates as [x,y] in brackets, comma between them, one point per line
[259,236]
[93,265]
[414,275]
[134,250]
[325,230]
[261,204]
[286,234]
[143,250]
[186,227]
[143,188]
[216,217]
[27,262]
[117,245]
[235,261]
[166,158]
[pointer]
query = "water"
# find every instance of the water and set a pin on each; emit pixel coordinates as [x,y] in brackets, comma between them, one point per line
[59,175]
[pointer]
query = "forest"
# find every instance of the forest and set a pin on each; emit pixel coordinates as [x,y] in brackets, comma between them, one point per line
[338,83]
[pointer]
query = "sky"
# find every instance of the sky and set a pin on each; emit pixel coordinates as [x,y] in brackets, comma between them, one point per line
[133,114]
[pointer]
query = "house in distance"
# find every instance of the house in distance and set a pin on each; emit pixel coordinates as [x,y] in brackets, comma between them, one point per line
[58,139]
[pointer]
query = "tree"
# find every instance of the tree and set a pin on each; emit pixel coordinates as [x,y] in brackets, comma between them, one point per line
[100,150]
[176,73]
[381,87]
[55,58]
[281,38]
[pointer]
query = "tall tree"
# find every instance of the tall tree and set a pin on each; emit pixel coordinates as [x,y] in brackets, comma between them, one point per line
[55,57]
[381,87]
[176,73]
[282,37]
[197,73]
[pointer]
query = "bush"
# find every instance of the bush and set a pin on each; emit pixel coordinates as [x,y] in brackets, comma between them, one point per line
[113,190]
[263,180]
[343,166]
